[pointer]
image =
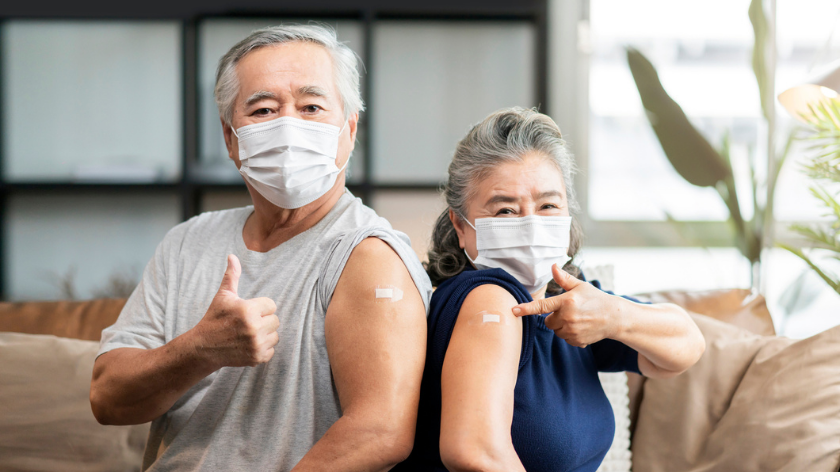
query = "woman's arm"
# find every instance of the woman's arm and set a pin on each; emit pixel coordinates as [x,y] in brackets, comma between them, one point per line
[666,338]
[477,382]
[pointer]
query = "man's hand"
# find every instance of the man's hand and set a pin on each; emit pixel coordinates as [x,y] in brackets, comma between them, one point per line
[236,332]
[582,316]
[133,386]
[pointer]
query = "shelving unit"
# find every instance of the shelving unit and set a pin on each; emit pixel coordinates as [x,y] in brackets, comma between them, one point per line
[190,188]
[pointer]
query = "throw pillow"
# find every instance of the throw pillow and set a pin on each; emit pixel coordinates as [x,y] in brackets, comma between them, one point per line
[46,423]
[752,403]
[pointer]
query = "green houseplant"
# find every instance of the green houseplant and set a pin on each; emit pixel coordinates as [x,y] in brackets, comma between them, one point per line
[701,164]
[824,169]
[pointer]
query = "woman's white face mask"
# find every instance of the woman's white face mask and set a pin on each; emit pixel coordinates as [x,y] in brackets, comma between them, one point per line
[525,247]
[289,161]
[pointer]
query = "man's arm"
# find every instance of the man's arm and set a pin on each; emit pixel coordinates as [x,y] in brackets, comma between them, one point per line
[377,350]
[134,386]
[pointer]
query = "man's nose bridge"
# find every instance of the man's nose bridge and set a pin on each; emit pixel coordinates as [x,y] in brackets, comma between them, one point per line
[288,108]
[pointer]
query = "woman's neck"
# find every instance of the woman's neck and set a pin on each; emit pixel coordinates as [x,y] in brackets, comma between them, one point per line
[539,294]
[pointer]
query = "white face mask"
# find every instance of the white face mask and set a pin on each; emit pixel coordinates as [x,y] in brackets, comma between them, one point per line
[525,247]
[290,162]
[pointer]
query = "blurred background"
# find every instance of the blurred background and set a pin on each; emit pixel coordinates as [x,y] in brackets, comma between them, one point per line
[110,135]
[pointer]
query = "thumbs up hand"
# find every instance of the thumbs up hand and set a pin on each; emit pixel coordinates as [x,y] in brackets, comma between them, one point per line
[236,332]
[582,315]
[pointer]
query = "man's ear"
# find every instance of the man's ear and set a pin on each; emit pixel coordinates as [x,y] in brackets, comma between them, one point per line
[459,227]
[353,124]
[227,132]
[353,127]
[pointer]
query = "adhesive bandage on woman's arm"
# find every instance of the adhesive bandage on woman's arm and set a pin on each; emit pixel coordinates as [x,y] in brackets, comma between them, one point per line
[387,293]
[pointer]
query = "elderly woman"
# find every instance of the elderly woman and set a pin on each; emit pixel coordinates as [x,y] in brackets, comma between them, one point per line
[511,380]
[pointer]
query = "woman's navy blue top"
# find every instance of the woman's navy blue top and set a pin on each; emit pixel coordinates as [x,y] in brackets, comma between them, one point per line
[562,420]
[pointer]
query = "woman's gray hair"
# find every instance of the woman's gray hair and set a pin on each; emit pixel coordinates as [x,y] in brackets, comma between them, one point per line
[505,136]
[345,64]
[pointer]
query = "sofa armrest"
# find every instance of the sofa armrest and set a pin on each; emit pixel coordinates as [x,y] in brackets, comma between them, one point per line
[67,319]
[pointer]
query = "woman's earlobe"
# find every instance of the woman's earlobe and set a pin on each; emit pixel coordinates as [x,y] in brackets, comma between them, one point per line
[459,230]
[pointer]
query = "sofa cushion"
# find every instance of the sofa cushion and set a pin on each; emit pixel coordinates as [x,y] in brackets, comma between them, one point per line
[752,403]
[67,319]
[739,307]
[46,423]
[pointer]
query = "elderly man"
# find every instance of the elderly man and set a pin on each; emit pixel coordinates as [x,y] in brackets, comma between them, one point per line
[306,351]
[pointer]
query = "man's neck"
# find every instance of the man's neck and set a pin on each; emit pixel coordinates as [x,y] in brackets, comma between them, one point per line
[270,226]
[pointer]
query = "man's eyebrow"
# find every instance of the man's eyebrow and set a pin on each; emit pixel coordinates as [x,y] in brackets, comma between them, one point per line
[312,90]
[257,96]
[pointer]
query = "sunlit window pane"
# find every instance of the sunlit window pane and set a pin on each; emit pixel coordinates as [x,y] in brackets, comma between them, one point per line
[640,270]
[433,80]
[92,100]
[818,306]
[702,53]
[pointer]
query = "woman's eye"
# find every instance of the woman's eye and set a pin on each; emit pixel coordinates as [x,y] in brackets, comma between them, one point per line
[549,206]
[311,108]
[262,112]
[505,211]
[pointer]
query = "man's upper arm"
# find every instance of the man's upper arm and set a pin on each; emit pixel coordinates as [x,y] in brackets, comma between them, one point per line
[377,346]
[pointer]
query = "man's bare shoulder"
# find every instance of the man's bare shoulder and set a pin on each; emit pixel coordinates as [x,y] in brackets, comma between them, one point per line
[374,257]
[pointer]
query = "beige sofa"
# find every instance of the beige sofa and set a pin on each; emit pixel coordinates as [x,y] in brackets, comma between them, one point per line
[755,402]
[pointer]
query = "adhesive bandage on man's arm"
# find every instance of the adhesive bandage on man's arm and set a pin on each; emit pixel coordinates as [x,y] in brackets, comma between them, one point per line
[387,293]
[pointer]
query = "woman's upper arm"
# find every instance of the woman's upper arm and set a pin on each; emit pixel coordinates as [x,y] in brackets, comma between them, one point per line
[477,382]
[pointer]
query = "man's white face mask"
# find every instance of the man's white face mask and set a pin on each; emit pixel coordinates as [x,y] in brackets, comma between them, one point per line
[524,247]
[289,161]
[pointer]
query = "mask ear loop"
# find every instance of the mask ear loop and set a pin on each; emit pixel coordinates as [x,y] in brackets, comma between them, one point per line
[468,221]
[473,227]
[351,154]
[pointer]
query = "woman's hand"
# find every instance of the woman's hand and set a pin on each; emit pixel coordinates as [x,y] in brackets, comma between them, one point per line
[666,338]
[582,315]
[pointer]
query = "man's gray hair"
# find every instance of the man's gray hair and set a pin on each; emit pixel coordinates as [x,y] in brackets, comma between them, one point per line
[345,64]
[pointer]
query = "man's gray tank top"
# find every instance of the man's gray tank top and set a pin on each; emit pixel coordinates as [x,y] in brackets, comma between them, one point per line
[250,418]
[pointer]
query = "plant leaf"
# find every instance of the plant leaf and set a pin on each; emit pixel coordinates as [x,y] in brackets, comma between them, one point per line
[759,56]
[688,151]
[799,295]
[831,281]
